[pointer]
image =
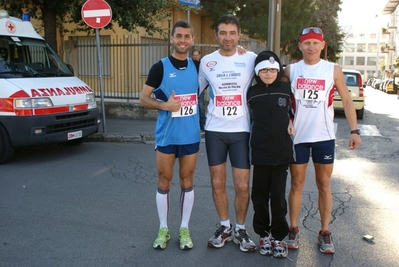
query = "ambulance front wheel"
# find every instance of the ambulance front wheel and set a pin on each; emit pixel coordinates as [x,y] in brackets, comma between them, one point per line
[6,148]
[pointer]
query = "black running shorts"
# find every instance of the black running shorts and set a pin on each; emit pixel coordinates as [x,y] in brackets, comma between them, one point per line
[236,145]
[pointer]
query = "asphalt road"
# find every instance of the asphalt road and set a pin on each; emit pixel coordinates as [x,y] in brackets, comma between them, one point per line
[94,205]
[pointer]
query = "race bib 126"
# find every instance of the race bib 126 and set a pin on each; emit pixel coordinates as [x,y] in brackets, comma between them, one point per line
[188,105]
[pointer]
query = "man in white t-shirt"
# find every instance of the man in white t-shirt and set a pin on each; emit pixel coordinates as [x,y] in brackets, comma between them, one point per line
[227,127]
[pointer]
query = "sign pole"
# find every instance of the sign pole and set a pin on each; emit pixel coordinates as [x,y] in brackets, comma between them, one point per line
[100,76]
[98,14]
[194,3]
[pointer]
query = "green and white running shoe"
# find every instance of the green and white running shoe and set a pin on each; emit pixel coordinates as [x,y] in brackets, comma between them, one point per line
[162,239]
[185,239]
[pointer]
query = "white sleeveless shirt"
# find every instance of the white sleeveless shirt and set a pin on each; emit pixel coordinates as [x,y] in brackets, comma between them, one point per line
[313,89]
[229,78]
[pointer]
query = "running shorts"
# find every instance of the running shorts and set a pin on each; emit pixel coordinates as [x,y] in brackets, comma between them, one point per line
[236,145]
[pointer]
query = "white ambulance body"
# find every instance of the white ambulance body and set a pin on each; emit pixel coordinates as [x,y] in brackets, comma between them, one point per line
[41,101]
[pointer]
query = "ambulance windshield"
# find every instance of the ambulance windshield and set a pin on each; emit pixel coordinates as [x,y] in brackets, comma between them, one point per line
[26,57]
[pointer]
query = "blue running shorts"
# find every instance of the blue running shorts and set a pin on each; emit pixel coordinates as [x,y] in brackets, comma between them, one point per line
[179,150]
[322,152]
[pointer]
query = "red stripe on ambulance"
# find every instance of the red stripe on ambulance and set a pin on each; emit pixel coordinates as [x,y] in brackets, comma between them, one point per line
[6,105]
[55,110]
[20,93]
[51,110]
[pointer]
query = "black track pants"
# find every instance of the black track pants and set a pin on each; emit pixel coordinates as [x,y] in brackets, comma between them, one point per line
[269,182]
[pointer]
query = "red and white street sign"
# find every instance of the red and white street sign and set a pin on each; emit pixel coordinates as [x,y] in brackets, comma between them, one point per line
[96,13]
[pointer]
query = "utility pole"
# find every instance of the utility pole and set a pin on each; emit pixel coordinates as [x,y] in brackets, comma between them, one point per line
[270,30]
[277,28]
[274,29]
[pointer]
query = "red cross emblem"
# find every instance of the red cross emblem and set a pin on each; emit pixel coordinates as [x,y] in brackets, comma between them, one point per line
[10,27]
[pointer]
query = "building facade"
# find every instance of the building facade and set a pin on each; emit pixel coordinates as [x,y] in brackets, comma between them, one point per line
[362,51]
[392,49]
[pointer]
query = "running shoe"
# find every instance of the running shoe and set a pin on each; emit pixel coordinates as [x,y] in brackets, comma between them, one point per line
[325,242]
[241,238]
[280,249]
[162,239]
[185,239]
[265,245]
[291,240]
[221,236]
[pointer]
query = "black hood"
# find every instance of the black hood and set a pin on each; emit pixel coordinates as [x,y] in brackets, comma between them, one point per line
[265,55]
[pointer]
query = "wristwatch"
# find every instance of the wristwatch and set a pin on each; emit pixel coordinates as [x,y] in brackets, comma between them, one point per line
[357,131]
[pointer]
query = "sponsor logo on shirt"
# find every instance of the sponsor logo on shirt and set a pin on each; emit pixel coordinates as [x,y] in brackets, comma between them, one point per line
[311,84]
[228,74]
[228,100]
[211,64]
[240,64]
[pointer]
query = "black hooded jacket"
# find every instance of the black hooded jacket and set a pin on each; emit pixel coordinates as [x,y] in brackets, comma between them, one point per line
[270,109]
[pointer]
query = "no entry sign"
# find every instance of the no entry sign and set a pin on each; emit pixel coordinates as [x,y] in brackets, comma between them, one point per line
[96,13]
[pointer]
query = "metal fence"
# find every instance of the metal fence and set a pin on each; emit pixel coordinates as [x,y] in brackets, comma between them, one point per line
[126,61]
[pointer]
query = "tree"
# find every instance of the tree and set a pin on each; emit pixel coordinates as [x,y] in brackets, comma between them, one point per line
[326,17]
[129,14]
[295,15]
[253,16]
[44,10]
[396,64]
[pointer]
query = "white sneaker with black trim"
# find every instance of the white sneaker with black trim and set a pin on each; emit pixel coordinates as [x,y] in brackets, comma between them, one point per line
[241,238]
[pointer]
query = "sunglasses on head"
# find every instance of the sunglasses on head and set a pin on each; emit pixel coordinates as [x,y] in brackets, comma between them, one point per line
[313,29]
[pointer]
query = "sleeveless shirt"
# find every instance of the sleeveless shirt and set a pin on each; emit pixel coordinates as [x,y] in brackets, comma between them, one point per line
[182,127]
[312,87]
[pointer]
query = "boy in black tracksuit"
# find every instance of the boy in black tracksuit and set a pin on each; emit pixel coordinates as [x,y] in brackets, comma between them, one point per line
[271,152]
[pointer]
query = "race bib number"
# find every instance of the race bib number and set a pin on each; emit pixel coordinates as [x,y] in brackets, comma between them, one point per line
[188,105]
[310,89]
[228,106]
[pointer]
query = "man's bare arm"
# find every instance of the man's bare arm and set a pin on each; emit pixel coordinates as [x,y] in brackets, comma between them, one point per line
[146,100]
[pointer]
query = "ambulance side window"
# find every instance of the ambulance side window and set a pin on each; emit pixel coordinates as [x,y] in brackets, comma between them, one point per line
[3,54]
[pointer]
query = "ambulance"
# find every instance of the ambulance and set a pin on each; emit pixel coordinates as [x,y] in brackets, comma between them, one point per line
[41,101]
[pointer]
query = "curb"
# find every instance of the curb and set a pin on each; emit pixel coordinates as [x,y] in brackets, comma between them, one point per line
[120,138]
[124,138]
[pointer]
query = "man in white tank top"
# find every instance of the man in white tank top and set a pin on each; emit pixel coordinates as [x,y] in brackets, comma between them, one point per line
[312,84]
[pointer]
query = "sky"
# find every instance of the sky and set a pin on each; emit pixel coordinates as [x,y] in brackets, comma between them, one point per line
[360,13]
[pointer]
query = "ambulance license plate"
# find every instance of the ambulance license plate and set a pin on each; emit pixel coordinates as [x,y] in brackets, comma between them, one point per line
[74,135]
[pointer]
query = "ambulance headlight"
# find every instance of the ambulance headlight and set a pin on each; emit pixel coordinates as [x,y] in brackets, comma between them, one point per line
[91,100]
[33,102]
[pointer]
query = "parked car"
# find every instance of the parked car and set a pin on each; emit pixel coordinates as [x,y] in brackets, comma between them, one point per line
[353,80]
[383,85]
[369,81]
[376,84]
[391,88]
